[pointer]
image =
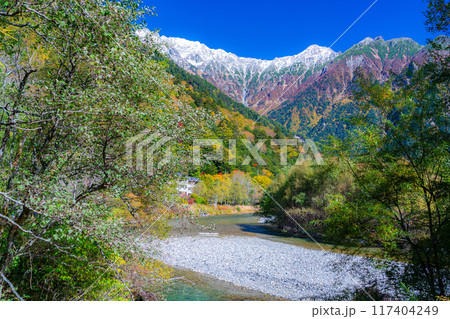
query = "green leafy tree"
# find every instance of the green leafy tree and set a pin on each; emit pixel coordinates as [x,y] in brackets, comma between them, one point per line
[77,83]
[401,163]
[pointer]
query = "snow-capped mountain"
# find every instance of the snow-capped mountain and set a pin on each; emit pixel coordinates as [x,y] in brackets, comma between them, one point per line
[260,84]
[311,92]
[200,56]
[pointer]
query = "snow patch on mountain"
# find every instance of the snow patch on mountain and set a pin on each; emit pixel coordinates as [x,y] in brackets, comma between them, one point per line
[253,82]
[200,56]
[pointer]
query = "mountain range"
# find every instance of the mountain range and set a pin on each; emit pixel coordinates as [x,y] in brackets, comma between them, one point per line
[309,93]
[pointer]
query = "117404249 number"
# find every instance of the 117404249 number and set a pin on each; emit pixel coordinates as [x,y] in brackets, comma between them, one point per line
[382,310]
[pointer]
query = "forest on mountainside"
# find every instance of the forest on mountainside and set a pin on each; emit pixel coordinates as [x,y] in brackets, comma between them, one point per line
[202,88]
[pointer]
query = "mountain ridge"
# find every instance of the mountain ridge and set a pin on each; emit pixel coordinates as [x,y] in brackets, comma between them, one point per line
[278,62]
[243,79]
[302,91]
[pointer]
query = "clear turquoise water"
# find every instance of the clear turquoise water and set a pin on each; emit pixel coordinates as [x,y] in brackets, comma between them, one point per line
[188,292]
[200,287]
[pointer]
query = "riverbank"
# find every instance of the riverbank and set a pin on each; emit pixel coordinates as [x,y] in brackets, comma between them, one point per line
[211,210]
[278,269]
[246,252]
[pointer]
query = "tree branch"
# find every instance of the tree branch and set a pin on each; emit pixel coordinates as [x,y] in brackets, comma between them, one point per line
[11,286]
[10,221]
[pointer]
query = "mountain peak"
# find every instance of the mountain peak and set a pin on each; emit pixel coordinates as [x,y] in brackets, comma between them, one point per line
[298,90]
[365,41]
[370,40]
[245,79]
[391,43]
[400,40]
[200,56]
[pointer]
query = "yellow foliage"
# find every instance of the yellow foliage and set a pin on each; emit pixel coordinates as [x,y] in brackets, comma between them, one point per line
[267,173]
[263,181]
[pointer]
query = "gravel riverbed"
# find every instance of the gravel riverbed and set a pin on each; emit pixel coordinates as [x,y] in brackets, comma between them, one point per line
[283,270]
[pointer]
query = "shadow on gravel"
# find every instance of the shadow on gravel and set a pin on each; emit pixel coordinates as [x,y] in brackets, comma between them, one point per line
[273,232]
[261,229]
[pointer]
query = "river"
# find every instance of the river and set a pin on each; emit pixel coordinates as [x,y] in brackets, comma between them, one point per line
[305,283]
[202,287]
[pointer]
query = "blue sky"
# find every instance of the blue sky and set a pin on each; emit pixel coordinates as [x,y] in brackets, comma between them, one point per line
[268,29]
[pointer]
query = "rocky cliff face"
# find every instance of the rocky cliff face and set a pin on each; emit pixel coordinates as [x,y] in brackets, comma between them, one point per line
[260,84]
[307,92]
[325,98]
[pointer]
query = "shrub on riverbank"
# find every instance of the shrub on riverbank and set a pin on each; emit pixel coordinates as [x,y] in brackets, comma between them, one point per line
[236,188]
[210,210]
[299,197]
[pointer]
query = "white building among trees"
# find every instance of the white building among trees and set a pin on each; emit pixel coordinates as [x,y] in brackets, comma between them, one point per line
[186,185]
